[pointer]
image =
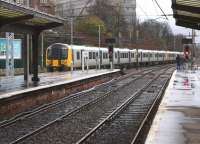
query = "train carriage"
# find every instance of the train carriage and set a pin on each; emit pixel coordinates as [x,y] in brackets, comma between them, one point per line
[62,56]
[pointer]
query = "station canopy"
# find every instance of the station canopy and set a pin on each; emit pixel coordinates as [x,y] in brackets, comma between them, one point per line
[15,17]
[187,13]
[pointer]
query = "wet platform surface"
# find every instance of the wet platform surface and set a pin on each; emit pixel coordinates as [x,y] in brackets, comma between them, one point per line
[9,86]
[178,118]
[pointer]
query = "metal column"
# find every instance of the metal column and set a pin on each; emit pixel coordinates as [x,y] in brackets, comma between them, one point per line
[35,40]
[26,58]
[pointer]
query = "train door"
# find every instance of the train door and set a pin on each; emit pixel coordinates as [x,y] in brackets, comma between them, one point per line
[100,57]
[118,58]
[129,56]
[82,57]
[157,57]
[141,55]
[149,57]
[73,58]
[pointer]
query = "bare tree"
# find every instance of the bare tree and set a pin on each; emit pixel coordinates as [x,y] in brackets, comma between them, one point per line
[157,31]
[112,15]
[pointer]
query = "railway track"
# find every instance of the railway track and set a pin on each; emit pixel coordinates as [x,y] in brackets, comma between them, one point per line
[125,124]
[46,106]
[21,128]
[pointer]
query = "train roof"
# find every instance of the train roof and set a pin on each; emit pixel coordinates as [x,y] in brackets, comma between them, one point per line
[83,47]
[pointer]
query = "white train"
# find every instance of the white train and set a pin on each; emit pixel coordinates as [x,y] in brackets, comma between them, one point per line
[63,56]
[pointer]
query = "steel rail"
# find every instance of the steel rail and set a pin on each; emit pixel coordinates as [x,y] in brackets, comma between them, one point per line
[66,99]
[93,102]
[149,112]
[47,106]
[117,111]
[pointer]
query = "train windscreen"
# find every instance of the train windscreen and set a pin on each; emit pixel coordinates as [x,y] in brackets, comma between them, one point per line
[57,52]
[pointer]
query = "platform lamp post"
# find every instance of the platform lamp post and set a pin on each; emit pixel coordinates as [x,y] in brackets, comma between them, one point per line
[72,39]
[99,60]
[72,30]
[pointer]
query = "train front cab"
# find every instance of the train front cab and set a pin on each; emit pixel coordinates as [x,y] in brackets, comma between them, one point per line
[58,57]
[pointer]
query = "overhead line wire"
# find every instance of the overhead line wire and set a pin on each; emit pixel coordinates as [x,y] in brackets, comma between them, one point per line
[161,9]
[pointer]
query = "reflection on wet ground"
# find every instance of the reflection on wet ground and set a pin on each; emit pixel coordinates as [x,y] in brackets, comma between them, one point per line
[177,120]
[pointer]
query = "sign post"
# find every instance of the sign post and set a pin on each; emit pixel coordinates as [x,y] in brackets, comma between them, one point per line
[9,55]
[110,42]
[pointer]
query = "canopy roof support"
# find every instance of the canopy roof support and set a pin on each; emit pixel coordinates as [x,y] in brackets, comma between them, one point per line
[17,18]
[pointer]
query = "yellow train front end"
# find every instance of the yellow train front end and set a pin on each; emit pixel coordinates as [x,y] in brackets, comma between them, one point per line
[58,57]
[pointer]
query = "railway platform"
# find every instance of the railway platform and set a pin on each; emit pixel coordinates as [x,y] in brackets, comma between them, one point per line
[178,117]
[16,97]
[10,86]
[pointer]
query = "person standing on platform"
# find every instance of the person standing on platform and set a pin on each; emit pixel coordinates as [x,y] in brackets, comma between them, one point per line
[178,62]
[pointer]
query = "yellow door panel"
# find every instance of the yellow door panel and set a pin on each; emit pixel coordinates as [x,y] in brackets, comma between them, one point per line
[69,60]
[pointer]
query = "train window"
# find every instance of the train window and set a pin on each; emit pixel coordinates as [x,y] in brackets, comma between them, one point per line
[138,55]
[115,55]
[94,55]
[49,54]
[105,55]
[90,55]
[78,55]
[64,54]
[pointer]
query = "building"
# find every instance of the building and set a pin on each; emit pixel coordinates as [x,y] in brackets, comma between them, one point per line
[74,8]
[69,8]
[47,6]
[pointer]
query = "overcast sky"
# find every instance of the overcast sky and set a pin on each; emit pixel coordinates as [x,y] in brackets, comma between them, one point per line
[147,9]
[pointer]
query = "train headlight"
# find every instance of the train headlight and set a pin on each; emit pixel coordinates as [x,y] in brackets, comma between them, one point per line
[49,62]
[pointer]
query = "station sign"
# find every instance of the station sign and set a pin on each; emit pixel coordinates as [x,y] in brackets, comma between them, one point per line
[17,46]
